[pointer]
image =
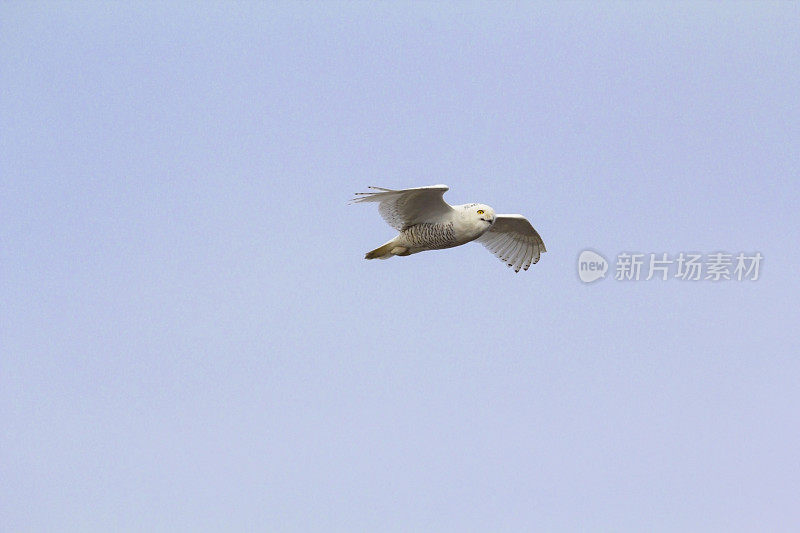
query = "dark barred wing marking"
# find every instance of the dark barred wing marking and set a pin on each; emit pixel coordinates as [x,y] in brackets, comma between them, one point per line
[514,241]
[404,208]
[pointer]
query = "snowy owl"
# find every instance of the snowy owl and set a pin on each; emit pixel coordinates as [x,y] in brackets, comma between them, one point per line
[426,222]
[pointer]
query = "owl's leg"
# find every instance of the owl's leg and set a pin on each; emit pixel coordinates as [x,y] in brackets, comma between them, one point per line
[390,249]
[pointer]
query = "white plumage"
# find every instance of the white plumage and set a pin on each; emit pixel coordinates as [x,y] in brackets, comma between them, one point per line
[426,222]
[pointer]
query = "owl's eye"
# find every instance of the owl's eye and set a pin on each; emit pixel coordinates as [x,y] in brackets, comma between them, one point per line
[480,211]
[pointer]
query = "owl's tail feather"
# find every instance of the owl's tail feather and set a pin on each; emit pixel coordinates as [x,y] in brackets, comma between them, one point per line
[386,251]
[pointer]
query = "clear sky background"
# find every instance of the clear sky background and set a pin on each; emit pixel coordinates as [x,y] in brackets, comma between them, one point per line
[192,340]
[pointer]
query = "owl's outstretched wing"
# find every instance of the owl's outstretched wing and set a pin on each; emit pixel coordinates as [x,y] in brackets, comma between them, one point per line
[407,207]
[514,241]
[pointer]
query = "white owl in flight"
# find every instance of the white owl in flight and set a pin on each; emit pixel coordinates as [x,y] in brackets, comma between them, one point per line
[426,222]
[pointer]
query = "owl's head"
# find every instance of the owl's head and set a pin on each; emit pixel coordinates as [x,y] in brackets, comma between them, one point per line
[480,213]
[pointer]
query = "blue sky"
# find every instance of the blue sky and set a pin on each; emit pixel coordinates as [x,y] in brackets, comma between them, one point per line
[191,339]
